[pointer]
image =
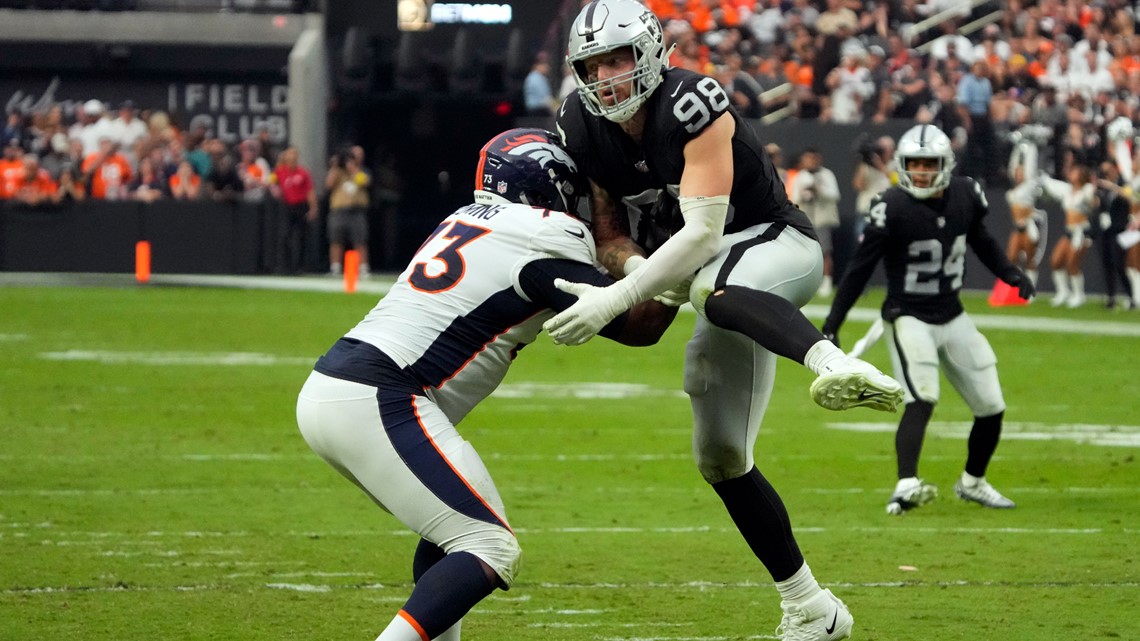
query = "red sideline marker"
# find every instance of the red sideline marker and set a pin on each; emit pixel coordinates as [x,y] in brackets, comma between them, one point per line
[351,270]
[142,261]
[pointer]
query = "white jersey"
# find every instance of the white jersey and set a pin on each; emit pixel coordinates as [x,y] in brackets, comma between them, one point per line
[458,314]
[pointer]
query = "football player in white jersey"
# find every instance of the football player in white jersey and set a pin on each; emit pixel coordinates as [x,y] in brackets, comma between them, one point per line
[688,202]
[382,404]
[920,230]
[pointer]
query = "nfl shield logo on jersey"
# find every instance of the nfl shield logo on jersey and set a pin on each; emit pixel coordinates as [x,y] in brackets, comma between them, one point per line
[941,222]
[501,187]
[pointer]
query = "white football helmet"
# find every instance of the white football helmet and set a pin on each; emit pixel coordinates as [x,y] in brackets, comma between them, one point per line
[925,141]
[606,25]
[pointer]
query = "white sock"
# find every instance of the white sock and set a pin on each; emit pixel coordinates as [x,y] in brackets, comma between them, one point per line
[401,629]
[908,483]
[821,355]
[1032,274]
[1134,278]
[969,480]
[1060,285]
[1078,295]
[800,587]
[335,268]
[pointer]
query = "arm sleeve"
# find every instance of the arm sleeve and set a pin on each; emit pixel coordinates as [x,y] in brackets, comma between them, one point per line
[536,279]
[681,255]
[862,266]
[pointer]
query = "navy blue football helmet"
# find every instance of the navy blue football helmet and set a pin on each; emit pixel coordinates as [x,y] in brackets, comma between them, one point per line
[529,166]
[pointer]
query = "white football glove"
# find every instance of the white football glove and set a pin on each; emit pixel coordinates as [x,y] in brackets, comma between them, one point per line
[678,295]
[583,320]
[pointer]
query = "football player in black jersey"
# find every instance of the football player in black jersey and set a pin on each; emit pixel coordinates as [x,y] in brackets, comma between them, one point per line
[920,230]
[678,175]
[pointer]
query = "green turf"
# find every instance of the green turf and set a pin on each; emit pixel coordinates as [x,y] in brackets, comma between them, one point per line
[146,496]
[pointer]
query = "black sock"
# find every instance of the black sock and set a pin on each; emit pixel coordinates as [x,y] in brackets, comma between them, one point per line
[774,323]
[762,519]
[983,442]
[908,438]
[427,555]
[447,591]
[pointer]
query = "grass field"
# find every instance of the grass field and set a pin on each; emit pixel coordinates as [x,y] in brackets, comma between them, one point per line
[153,485]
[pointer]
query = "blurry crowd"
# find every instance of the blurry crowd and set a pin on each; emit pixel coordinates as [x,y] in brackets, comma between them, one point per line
[1071,64]
[125,154]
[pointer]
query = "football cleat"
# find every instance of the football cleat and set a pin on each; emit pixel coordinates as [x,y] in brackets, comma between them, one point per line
[850,382]
[982,493]
[823,618]
[908,496]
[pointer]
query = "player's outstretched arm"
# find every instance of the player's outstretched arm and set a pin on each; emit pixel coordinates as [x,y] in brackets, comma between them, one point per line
[557,283]
[705,185]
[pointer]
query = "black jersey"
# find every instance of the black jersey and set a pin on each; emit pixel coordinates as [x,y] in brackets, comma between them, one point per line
[644,177]
[922,243]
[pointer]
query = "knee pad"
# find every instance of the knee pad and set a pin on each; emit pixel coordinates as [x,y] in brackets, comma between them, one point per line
[496,547]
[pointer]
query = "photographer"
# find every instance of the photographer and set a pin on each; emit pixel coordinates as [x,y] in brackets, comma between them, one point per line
[348,187]
[816,191]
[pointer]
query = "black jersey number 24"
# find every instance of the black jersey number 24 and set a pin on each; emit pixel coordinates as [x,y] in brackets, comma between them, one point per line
[693,108]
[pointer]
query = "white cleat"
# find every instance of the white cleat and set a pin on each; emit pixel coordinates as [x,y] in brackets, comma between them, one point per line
[850,382]
[983,493]
[823,618]
[907,498]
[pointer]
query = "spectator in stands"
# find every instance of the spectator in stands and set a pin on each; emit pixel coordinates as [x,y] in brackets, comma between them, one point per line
[184,184]
[13,129]
[97,126]
[149,183]
[538,96]
[205,155]
[11,169]
[348,211]
[70,188]
[942,111]
[836,17]
[268,149]
[741,87]
[975,93]
[254,172]
[766,22]
[128,131]
[106,171]
[55,156]
[36,186]
[816,191]
[293,185]
[850,84]
[224,184]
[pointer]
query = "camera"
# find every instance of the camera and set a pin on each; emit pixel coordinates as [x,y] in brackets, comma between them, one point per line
[868,151]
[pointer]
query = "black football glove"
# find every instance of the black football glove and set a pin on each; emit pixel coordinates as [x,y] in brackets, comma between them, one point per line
[1025,288]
